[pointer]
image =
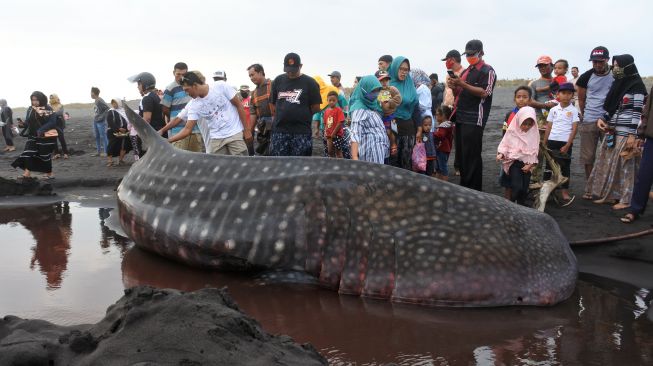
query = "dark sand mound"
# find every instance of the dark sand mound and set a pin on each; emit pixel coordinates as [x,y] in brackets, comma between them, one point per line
[155,327]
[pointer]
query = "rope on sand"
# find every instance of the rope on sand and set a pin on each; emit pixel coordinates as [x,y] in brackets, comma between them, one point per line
[611,239]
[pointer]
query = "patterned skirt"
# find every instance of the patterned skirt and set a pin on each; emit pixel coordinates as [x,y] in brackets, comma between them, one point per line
[613,177]
[37,155]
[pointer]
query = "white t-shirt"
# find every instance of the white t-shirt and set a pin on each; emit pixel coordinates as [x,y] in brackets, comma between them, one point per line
[221,116]
[563,120]
[201,124]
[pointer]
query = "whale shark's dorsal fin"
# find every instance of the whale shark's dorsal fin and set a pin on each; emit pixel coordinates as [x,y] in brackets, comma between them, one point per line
[150,137]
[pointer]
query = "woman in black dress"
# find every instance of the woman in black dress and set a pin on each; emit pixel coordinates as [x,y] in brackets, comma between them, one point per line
[40,123]
[119,143]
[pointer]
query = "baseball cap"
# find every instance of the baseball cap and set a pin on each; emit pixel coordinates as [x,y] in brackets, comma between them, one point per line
[473,46]
[244,87]
[543,60]
[566,86]
[452,54]
[599,53]
[380,75]
[291,62]
[336,74]
[220,74]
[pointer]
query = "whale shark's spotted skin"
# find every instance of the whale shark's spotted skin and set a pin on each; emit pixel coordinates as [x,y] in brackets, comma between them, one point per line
[361,228]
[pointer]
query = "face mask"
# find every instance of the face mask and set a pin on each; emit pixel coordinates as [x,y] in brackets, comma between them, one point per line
[472,60]
[449,64]
[373,95]
[618,72]
[244,94]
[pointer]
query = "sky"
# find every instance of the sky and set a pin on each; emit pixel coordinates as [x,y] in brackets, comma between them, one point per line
[66,47]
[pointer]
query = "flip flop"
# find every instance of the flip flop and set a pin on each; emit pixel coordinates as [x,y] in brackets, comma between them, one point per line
[588,196]
[568,202]
[629,218]
[47,177]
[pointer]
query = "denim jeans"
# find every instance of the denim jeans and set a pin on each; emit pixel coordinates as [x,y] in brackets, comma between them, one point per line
[101,141]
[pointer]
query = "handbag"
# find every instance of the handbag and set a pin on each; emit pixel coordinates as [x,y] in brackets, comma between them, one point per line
[51,133]
[419,157]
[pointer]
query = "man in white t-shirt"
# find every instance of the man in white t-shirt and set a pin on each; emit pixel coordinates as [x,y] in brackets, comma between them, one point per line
[219,105]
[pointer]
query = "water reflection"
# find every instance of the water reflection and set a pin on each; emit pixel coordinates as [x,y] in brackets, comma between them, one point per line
[109,237]
[599,325]
[51,228]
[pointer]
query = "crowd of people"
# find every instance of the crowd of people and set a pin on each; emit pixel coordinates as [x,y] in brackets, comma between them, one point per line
[398,116]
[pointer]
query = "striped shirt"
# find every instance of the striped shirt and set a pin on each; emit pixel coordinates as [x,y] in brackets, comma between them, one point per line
[627,117]
[468,108]
[368,131]
[175,98]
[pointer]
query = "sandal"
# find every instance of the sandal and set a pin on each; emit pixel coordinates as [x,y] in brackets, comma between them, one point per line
[567,202]
[57,156]
[629,218]
[110,164]
[47,177]
[620,206]
[65,156]
[588,196]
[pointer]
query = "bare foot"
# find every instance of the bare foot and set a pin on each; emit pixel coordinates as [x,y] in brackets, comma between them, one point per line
[620,206]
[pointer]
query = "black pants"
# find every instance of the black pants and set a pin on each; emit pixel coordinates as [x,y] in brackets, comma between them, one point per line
[430,167]
[62,141]
[519,182]
[563,160]
[469,140]
[8,134]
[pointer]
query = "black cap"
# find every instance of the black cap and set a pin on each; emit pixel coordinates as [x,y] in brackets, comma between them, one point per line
[291,62]
[453,53]
[473,46]
[386,58]
[599,53]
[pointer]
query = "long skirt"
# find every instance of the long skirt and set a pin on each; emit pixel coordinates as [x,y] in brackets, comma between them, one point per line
[37,155]
[116,144]
[613,177]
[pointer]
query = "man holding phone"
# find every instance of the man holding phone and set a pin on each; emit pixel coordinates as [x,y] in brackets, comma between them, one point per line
[474,90]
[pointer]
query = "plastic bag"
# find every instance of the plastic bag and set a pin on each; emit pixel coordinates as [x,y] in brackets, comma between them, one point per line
[419,157]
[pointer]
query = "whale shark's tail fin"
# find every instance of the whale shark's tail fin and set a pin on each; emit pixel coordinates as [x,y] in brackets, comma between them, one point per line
[150,137]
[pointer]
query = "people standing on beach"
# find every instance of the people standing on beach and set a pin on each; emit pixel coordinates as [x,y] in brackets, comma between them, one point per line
[318,118]
[518,153]
[437,92]
[338,145]
[369,140]
[40,123]
[593,86]
[384,63]
[407,128]
[443,141]
[57,108]
[429,145]
[150,106]
[474,101]
[100,109]
[220,106]
[617,162]
[294,99]
[452,61]
[422,87]
[118,135]
[561,128]
[390,99]
[644,179]
[335,77]
[174,100]
[573,80]
[260,114]
[542,100]
[7,118]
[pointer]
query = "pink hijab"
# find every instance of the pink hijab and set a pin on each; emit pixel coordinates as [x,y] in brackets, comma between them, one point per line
[519,145]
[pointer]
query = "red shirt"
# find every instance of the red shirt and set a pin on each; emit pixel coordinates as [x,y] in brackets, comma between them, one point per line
[444,139]
[333,118]
[246,102]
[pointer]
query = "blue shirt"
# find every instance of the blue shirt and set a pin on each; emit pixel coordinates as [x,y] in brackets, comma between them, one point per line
[175,98]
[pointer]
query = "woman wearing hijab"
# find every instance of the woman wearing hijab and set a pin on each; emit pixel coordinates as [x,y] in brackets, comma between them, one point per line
[7,119]
[617,163]
[37,155]
[117,134]
[407,129]
[57,108]
[369,141]
[424,97]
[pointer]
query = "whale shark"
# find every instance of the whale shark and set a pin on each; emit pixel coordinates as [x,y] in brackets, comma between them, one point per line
[360,228]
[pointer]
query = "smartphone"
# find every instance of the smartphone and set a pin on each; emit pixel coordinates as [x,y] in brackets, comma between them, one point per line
[451,74]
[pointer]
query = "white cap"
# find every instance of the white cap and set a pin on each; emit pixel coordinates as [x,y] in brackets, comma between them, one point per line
[220,74]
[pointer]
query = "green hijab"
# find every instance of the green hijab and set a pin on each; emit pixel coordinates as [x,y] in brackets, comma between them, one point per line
[358,100]
[406,89]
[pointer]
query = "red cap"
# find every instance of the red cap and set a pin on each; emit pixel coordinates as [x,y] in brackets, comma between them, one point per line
[544,60]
